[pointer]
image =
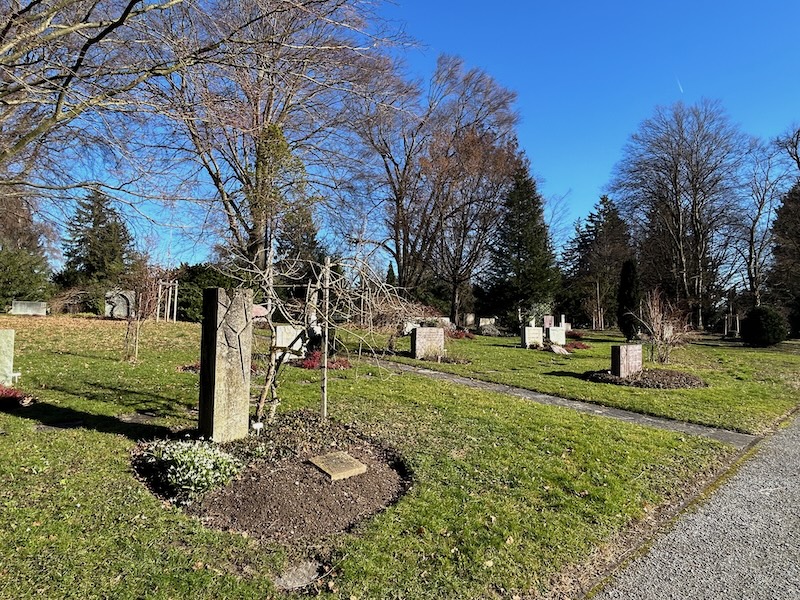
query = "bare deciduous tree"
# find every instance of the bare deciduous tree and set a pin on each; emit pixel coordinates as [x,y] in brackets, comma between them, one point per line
[679,175]
[765,180]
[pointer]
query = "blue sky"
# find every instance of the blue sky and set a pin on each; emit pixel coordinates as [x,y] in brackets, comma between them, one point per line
[588,73]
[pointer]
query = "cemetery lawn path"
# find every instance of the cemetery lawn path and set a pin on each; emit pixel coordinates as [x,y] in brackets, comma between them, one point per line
[507,497]
[750,390]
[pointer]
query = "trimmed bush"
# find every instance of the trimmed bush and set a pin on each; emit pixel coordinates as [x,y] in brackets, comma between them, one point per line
[763,326]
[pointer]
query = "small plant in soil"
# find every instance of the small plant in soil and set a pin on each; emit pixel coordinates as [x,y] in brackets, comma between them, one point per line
[183,470]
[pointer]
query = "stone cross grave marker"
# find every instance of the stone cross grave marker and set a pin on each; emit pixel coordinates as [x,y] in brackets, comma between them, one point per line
[626,360]
[20,307]
[7,374]
[556,335]
[532,336]
[427,342]
[225,353]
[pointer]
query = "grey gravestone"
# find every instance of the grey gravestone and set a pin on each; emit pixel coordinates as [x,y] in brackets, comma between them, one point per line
[225,349]
[532,336]
[556,335]
[19,307]
[6,356]
[469,319]
[549,321]
[567,326]
[626,360]
[427,342]
[120,304]
[486,321]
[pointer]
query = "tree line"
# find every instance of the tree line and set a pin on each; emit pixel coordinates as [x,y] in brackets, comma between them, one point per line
[286,131]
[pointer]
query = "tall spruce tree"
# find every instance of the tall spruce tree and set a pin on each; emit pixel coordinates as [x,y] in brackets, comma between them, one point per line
[593,260]
[24,270]
[99,247]
[523,272]
[784,276]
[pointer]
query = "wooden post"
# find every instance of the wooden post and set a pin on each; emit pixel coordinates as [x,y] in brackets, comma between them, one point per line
[175,304]
[158,304]
[326,282]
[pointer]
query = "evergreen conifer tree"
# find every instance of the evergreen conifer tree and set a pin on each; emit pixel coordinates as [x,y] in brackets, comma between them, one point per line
[99,247]
[628,299]
[523,272]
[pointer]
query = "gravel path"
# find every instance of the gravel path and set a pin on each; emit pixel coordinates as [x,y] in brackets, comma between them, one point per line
[743,542]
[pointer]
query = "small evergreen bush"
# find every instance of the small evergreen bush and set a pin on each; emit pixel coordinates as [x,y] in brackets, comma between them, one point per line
[184,470]
[763,326]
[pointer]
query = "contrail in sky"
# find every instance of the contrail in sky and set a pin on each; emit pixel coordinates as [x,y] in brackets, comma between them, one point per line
[680,87]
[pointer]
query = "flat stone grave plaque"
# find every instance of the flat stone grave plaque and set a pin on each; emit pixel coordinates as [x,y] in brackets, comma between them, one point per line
[339,465]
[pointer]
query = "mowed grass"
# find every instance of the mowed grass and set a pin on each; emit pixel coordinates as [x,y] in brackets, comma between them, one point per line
[505,492]
[749,389]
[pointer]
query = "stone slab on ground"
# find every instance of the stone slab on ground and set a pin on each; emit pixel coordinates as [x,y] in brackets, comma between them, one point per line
[339,465]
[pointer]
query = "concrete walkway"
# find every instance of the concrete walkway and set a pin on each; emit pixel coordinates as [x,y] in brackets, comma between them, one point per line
[743,542]
[739,440]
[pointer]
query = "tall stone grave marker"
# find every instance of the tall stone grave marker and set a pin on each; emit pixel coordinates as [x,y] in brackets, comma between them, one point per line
[556,335]
[549,321]
[626,360]
[532,336]
[225,349]
[427,342]
[6,356]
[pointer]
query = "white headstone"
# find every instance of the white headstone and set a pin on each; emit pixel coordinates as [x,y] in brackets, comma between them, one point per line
[20,307]
[556,335]
[532,336]
[6,356]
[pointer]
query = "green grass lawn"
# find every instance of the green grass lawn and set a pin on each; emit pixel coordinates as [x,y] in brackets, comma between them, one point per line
[750,389]
[505,493]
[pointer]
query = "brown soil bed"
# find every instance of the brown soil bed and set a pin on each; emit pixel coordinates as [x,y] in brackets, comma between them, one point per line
[664,379]
[282,497]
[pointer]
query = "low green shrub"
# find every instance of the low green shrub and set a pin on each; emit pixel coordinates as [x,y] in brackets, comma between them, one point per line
[763,326]
[183,470]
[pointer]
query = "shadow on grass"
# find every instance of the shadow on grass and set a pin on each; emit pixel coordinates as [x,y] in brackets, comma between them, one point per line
[137,400]
[53,418]
[572,374]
